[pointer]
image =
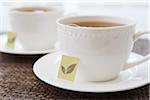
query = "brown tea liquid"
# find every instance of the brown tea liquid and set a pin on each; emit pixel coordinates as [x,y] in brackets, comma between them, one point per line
[96,24]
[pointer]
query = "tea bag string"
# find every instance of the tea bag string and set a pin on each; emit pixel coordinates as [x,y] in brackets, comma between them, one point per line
[74,25]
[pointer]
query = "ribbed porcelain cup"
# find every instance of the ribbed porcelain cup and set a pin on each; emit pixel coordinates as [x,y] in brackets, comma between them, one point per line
[103,51]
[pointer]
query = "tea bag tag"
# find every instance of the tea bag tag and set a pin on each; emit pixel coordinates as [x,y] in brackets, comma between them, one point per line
[68,68]
[11,39]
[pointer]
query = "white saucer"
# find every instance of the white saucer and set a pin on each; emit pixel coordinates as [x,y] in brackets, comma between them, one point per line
[18,49]
[46,70]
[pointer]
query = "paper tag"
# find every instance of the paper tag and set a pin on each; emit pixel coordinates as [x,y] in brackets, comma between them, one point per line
[68,68]
[11,39]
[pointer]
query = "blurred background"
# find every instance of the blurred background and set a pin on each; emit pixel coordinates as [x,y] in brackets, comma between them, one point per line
[136,10]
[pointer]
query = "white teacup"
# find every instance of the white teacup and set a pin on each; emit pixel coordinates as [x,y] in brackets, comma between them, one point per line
[35,26]
[103,51]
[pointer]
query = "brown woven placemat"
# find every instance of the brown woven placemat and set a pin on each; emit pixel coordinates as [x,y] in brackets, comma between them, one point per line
[17,81]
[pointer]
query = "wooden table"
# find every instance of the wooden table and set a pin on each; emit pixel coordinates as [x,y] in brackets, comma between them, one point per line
[17,81]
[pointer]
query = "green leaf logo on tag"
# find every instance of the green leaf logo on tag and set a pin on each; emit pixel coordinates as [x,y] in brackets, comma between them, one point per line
[68,68]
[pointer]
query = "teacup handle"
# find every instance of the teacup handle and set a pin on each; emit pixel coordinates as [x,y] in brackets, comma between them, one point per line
[134,63]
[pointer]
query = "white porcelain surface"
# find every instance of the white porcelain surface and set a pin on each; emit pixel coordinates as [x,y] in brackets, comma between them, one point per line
[35,30]
[46,69]
[18,49]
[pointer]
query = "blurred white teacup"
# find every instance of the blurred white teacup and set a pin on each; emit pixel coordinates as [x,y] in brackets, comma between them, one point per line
[35,26]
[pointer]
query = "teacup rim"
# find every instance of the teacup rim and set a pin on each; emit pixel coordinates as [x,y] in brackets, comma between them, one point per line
[132,22]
